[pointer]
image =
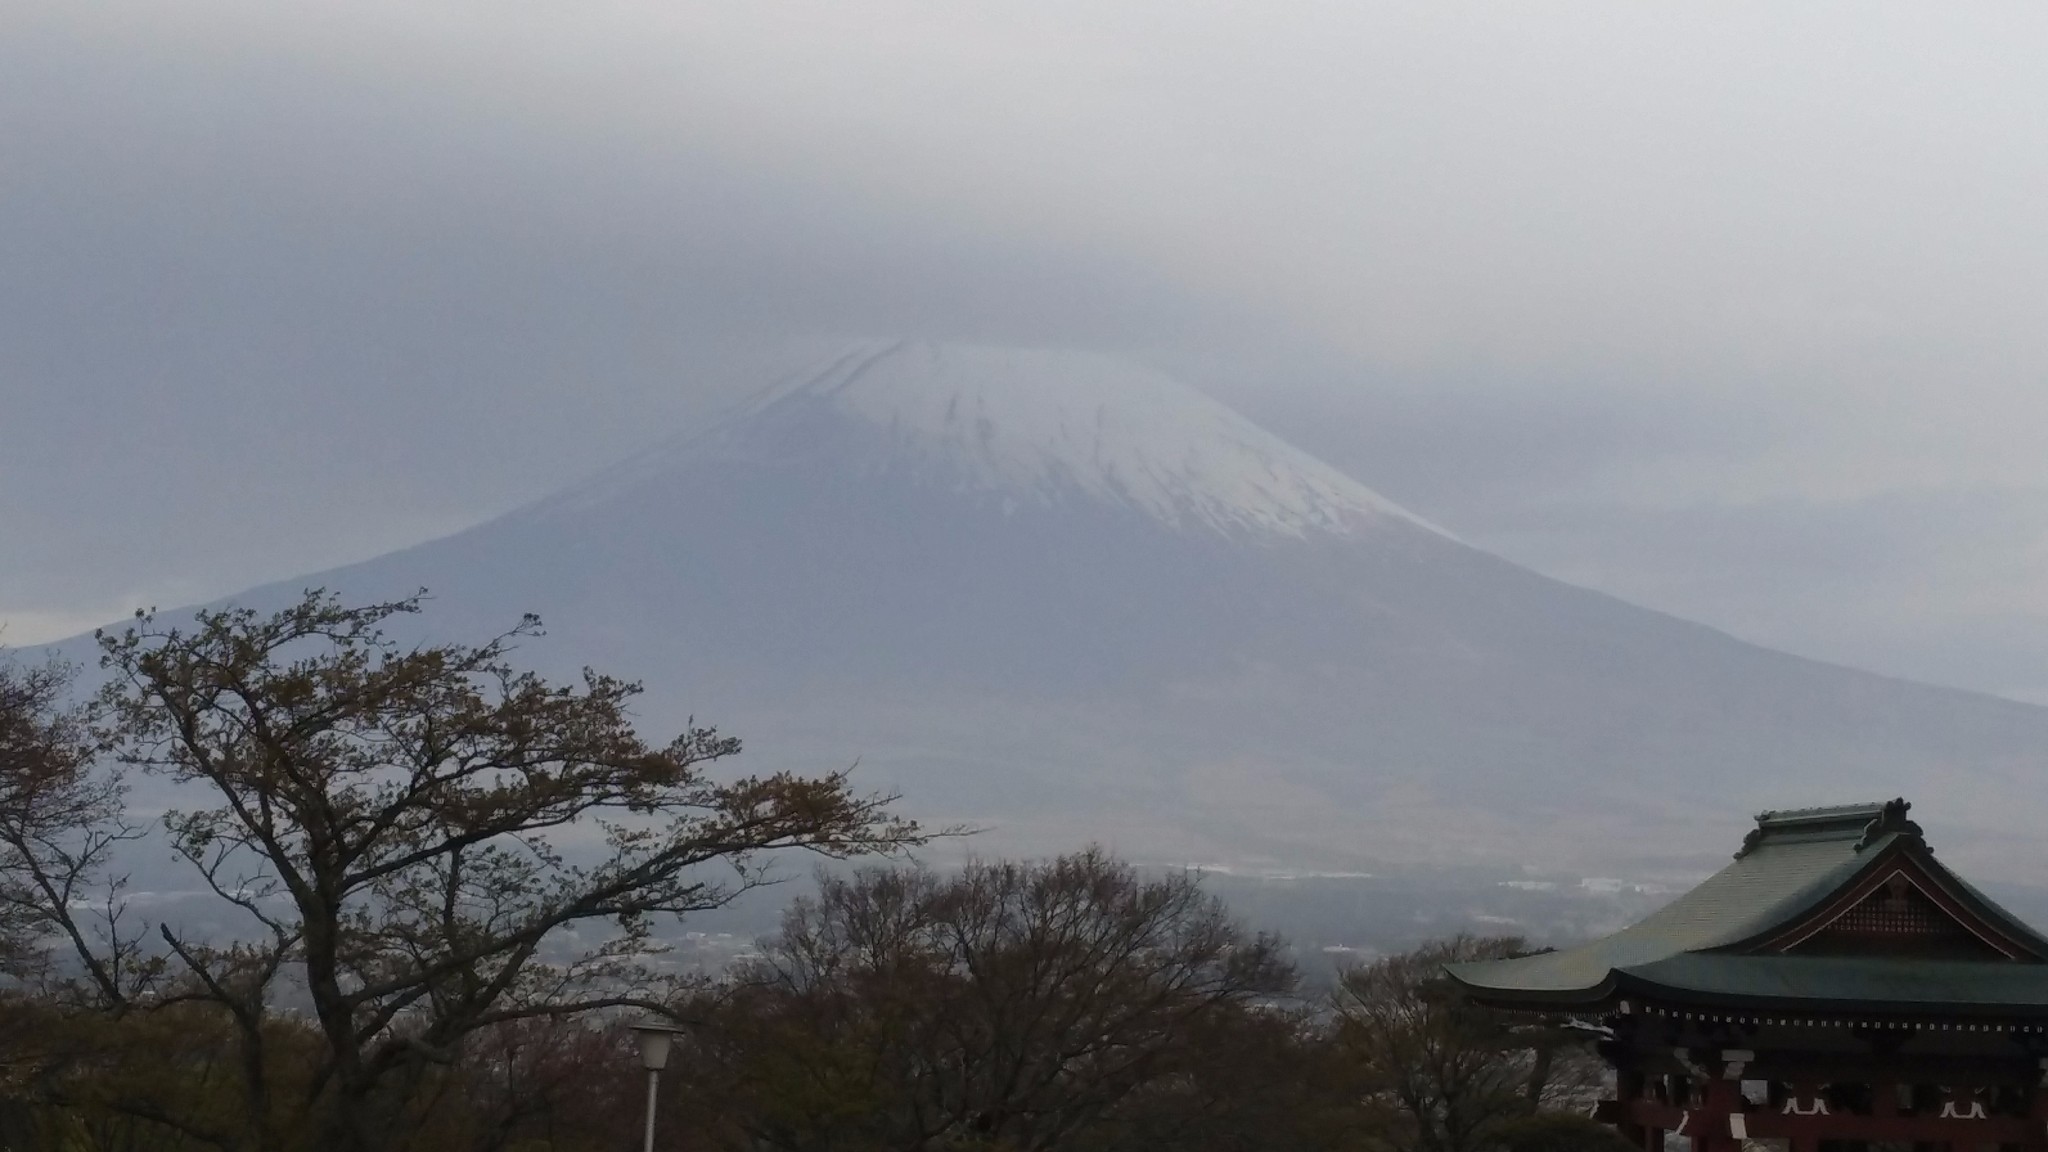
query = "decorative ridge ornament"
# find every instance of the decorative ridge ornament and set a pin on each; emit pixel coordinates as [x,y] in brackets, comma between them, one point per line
[1752,838]
[1845,822]
[1891,819]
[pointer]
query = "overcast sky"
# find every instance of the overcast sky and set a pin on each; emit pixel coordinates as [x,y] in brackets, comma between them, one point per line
[1735,310]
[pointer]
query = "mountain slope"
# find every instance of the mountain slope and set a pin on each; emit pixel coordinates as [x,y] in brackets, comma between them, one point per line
[1068,599]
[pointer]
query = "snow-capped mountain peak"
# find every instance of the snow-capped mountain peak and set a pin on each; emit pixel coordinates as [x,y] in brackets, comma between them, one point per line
[1029,427]
[943,562]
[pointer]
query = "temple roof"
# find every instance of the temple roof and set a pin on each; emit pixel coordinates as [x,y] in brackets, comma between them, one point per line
[1823,909]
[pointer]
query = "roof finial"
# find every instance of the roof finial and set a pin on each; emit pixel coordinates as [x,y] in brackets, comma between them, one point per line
[1754,838]
[1891,818]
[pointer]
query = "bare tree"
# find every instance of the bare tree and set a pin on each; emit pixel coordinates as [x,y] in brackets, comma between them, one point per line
[60,819]
[422,839]
[1013,1006]
[1445,1073]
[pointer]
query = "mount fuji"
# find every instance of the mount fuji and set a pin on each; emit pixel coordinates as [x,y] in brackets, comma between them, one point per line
[1065,599]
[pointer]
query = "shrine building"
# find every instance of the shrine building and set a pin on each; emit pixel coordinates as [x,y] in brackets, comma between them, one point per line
[1834,989]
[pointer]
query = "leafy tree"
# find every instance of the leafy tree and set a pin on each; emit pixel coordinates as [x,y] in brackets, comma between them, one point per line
[163,1080]
[106,1082]
[426,843]
[546,1084]
[1447,1073]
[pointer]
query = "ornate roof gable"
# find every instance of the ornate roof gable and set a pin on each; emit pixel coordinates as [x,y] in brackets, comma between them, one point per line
[1900,918]
[1898,902]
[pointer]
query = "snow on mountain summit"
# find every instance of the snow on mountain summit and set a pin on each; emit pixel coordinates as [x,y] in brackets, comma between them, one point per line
[1027,426]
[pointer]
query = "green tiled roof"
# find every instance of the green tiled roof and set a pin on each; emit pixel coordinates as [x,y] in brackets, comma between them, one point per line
[1700,946]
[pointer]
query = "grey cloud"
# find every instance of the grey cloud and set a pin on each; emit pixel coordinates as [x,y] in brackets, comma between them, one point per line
[1640,296]
[1477,456]
[255,321]
[1937,586]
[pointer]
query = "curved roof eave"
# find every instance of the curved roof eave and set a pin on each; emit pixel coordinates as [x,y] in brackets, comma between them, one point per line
[1949,994]
[1469,977]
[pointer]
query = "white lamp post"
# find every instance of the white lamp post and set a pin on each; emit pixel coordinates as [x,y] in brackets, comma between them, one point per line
[654,1037]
